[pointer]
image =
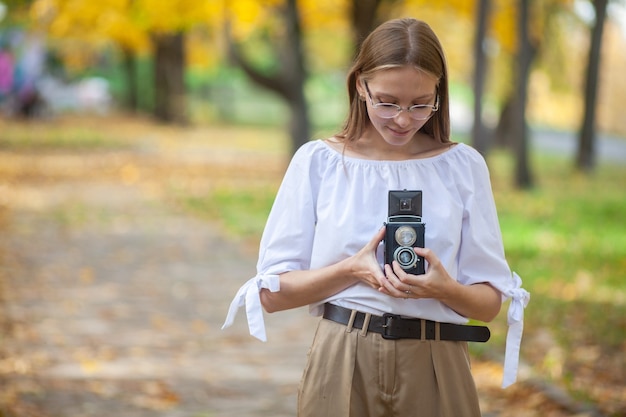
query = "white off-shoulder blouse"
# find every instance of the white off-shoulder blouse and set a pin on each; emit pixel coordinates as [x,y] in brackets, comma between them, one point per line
[330,205]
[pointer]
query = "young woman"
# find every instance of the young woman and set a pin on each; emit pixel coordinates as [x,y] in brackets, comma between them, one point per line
[391,343]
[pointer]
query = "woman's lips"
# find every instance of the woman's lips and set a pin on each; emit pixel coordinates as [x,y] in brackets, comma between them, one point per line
[399,132]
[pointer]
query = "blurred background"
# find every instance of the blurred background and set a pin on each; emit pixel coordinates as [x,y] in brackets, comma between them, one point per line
[109,109]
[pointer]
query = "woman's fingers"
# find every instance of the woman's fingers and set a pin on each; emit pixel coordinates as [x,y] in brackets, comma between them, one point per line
[376,239]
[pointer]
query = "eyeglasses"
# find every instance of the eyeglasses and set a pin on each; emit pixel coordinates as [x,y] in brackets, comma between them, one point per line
[390,110]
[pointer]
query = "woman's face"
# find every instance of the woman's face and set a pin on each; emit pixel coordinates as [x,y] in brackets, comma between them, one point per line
[404,86]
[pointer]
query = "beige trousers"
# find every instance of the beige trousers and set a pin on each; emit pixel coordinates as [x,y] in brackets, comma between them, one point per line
[352,373]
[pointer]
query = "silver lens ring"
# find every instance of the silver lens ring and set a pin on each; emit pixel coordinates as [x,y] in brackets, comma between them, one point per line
[405,236]
[406,257]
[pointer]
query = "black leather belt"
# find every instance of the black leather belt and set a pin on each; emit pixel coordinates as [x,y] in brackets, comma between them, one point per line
[392,326]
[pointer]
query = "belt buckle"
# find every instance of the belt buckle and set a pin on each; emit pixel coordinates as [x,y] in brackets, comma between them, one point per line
[387,319]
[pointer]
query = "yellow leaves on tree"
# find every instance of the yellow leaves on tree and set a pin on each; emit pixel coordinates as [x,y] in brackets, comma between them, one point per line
[82,27]
[79,28]
[246,17]
[157,16]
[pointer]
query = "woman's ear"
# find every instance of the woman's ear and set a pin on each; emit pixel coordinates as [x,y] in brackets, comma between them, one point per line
[360,87]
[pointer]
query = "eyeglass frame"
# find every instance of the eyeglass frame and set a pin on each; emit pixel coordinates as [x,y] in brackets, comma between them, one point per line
[409,110]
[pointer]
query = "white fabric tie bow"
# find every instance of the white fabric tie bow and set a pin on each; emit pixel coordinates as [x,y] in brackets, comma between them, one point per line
[515,319]
[248,295]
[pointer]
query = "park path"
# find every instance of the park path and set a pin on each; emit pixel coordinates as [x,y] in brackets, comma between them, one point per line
[113,298]
[126,322]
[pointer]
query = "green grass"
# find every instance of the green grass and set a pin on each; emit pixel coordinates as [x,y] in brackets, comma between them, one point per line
[242,212]
[567,240]
[44,138]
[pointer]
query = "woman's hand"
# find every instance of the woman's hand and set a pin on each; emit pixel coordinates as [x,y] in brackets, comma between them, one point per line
[432,284]
[364,266]
[478,301]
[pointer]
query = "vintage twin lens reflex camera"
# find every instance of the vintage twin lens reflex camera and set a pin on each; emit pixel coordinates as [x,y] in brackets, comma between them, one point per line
[405,230]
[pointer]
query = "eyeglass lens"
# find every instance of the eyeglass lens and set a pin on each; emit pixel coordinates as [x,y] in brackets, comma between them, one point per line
[388,111]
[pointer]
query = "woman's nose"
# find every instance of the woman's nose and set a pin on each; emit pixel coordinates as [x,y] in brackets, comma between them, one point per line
[403,118]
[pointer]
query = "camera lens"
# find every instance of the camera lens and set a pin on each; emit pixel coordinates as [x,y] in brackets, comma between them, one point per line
[406,257]
[405,235]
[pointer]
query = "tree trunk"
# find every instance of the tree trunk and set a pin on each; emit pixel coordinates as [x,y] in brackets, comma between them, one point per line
[502,135]
[299,124]
[294,62]
[363,19]
[523,176]
[366,15]
[130,72]
[169,67]
[585,160]
[289,80]
[480,139]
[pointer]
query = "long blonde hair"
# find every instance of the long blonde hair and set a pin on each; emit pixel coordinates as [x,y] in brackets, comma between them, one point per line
[397,43]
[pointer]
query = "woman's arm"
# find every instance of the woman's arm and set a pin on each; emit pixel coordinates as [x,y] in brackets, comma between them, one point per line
[299,288]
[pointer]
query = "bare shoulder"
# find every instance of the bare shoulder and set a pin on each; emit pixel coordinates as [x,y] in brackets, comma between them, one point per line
[434,150]
[334,142]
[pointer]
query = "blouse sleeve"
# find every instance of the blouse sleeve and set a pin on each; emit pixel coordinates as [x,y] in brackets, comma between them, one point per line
[481,254]
[286,242]
[482,259]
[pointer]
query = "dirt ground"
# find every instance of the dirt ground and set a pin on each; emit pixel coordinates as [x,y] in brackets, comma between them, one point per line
[113,296]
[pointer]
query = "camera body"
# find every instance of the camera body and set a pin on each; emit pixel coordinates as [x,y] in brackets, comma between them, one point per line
[405,230]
